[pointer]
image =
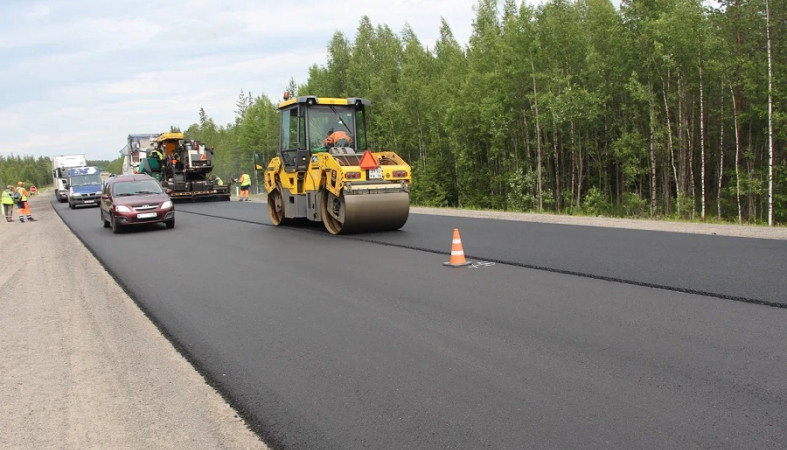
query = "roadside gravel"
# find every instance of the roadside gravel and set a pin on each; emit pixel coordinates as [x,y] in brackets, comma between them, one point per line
[81,366]
[747,231]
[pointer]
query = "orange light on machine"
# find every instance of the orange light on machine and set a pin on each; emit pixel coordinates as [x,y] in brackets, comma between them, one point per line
[352,175]
[368,161]
[399,173]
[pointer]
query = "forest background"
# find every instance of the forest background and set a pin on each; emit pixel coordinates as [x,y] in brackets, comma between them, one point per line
[661,109]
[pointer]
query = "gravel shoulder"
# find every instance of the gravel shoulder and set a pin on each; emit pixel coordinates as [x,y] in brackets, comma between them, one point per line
[747,231]
[81,366]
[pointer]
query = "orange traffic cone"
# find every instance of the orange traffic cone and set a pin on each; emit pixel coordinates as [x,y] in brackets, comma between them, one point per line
[457,253]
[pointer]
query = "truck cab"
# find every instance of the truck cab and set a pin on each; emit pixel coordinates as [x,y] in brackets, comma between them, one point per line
[84,186]
[61,165]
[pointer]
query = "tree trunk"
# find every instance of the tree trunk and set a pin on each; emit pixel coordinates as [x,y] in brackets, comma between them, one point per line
[538,139]
[527,140]
[702,146]
[421,149]
[750,202]
[721,149]
[737,155]
[557,162]
[580,174]
[573,162]
[652,150]
[669,142]
[770,112]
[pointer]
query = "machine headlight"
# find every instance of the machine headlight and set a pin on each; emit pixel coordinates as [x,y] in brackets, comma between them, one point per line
[121,208]
[167,204]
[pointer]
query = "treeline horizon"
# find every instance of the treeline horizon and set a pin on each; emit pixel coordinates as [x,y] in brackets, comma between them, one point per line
[659,109]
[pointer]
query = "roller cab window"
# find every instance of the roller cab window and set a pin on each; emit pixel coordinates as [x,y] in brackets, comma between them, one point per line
[293,136]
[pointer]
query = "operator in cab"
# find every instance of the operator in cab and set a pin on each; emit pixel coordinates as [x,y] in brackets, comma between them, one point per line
[337,139]
[155,153]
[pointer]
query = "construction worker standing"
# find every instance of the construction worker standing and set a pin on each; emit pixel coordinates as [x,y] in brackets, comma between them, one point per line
[245,184]
[22,207]
[8,203]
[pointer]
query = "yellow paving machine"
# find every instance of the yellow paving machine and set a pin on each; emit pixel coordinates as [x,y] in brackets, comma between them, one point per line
[182,166]
[324,171]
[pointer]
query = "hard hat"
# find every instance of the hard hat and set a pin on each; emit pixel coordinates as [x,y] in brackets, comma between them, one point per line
[9,187]
[20,183]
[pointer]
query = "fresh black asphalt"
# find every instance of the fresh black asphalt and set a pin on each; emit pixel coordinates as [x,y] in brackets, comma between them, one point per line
[368,341]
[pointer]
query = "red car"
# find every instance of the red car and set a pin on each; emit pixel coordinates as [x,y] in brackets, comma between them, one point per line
[135,200]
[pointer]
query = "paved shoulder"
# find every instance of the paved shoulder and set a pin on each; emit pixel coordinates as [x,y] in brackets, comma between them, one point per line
[81,366]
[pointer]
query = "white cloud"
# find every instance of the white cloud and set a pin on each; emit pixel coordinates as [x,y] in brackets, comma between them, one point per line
[79,76]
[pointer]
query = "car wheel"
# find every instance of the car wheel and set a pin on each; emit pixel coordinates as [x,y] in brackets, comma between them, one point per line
[170,224]
[113,223]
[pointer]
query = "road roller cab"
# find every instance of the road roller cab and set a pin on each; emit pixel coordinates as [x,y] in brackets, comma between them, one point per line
[325,172]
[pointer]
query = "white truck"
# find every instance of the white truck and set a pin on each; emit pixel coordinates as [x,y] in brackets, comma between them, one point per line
[61,164]
[137,147]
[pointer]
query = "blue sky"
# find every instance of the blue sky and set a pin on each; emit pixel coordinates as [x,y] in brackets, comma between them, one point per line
[78,76]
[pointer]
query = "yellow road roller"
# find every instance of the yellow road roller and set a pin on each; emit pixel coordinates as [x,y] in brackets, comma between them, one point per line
[324,171]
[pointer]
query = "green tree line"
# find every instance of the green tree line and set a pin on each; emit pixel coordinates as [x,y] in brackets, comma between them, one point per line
[29,170]
[662,108]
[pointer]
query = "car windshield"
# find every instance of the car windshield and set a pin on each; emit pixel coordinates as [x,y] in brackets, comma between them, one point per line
[137,187]
[86,180]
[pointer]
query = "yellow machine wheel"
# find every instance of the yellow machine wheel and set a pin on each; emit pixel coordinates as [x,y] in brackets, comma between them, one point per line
[276,206]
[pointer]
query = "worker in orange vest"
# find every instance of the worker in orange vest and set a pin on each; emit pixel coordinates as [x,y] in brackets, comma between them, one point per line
[337,139]
[22,207]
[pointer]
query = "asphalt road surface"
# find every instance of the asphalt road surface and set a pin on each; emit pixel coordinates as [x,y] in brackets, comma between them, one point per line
[558,336]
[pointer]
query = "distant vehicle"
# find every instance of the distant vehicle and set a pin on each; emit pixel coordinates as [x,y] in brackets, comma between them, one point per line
[84,186]
[61,164]
[129,200]
[137,148]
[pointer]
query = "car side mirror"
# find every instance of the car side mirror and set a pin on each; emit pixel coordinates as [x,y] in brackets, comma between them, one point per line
[168,191]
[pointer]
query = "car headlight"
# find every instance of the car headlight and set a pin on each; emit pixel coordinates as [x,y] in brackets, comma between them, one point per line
[76,194]
[167,204]
[121,208]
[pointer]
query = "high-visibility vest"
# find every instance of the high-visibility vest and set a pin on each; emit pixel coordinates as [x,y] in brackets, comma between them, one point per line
[8,198]
[23,193]
[218,181]
[245,180]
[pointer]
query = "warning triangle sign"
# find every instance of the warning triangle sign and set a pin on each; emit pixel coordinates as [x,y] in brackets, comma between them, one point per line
[368,161]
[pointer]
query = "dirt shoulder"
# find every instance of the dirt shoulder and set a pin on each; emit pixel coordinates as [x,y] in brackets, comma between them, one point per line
[81,366]
[747,231]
